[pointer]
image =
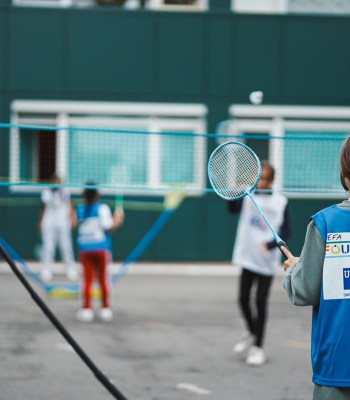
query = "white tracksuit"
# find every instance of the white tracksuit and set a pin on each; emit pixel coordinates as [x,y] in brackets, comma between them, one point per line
[56,227]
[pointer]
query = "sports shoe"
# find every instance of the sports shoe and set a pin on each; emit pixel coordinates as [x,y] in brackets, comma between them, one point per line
[85,315]
[46,275]
[106,314]
[245,343]
[256,357]
[72,274]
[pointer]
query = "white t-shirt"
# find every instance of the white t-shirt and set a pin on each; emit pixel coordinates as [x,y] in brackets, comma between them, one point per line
[105,216]
[253,231]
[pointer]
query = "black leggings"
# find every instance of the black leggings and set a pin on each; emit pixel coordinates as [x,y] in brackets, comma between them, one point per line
[255,323]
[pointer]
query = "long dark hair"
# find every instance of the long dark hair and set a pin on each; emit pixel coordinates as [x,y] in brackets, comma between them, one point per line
[344,162]
[90,194]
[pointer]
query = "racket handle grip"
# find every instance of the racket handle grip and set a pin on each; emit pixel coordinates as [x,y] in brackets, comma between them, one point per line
[280,244]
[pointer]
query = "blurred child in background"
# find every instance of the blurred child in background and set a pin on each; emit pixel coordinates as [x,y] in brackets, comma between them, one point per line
[56,218]
[257,254]
[95,224]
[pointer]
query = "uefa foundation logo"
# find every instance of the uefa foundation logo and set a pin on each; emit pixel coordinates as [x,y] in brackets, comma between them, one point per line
[336,267]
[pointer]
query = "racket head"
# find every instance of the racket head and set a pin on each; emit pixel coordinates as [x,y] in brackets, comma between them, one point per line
[234,170]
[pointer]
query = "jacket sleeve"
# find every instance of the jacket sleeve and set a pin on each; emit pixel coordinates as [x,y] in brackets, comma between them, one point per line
[285,230]
[235,206]
[302,281]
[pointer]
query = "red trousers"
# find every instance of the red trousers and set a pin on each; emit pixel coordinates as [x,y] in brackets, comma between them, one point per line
[95,267]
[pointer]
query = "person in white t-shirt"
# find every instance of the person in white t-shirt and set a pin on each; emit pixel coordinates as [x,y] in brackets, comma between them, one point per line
[257,254]
[56,218]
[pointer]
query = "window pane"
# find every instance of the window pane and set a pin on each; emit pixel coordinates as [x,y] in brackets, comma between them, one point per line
[312,163]
[177,159]
[46,154]
[27,159]
[37,155]
[110,158]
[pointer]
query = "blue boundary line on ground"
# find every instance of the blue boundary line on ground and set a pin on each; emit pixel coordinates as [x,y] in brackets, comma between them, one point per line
[34,276]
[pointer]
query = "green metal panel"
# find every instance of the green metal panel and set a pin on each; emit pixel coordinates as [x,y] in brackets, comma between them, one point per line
[317,58]
[135,227]
[23,240]
[3,32]
[181,54]
[219,227]
[220,69]
[181,235]
[110,52]
[257,56]
[36,50]
[4,3]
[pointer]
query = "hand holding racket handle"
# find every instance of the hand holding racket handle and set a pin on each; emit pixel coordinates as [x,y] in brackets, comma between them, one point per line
[118,214]
[290,259]
[281,244]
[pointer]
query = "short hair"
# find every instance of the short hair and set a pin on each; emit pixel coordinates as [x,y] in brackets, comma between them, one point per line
[90,194]
[266,164]
[344,163]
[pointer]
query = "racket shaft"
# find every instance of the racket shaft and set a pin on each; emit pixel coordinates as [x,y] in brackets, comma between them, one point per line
[279,241]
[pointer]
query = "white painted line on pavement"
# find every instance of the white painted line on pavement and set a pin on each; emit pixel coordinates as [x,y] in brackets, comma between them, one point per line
[193,388]
[64,347]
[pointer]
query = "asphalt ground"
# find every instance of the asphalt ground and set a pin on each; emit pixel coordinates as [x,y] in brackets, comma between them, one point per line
[171,339]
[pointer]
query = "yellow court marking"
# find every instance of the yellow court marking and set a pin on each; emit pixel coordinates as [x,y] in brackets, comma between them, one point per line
[65,293]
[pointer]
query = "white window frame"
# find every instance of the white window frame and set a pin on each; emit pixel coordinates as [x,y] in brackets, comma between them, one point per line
[200,5]
[43,3]
[156,116]
[275,120]
[260,6]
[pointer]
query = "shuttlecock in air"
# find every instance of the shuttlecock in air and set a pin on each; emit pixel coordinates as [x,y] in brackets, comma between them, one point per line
[256,97]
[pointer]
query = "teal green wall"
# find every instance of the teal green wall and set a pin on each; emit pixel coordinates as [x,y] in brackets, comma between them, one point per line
[2,48]
[107,53]
[110,53]
[216,58]
[36,51]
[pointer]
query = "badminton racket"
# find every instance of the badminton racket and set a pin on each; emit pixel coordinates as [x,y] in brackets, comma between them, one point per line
[234,171]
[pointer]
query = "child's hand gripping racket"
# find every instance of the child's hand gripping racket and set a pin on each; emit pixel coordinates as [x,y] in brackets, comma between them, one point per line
[118,214]
[234,171]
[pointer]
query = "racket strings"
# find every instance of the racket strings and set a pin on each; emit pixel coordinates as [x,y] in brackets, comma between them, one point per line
[234,170]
